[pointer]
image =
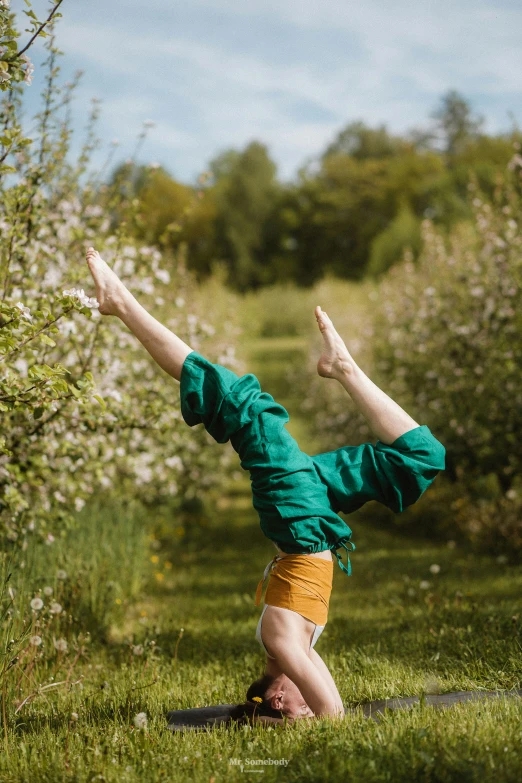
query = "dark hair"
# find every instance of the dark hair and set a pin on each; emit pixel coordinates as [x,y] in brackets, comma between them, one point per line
[245,713]
[259,687]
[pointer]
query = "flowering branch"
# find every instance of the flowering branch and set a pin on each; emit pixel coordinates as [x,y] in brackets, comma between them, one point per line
[32,337]
[36,34]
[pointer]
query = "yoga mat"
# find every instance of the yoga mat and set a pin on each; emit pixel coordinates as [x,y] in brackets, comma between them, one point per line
[206,717]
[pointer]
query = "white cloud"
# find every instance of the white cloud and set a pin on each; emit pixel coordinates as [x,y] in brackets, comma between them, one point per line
[207,94]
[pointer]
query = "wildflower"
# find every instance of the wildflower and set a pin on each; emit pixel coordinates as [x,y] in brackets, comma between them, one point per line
[140,720]
[154,559]
[511,494]
[159,576]
[74,716]
[50,539]
[36,641]
[37,604]
[137,649]
[5,76]
[25,312]
[48,591]
[434,569]
[424,585]
[55,608]
[258,699]
[60,645]
[59,497]
[79,293]
[61,574]
[179,301]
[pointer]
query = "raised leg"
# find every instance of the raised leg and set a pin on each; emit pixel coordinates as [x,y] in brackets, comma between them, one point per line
[386,418]
[166,348]
[400,466]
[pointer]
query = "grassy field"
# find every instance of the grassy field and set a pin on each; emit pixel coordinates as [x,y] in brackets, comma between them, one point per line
[187,639]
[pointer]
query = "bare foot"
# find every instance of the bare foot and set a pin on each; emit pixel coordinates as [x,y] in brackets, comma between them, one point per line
[335,360]
[110,291]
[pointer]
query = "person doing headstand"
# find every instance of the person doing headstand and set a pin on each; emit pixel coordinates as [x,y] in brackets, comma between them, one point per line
[297,496]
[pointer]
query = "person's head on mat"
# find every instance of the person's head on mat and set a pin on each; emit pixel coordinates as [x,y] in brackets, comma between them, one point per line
[280,697]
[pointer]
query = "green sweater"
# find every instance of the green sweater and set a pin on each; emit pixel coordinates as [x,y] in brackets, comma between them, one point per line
[298,496]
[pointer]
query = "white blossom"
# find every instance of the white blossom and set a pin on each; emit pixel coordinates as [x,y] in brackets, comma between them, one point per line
[79,503]
[26,313]
[29,69]
[163,276]
[79,293]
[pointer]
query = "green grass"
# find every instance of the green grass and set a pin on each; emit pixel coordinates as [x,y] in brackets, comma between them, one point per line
[385,637]
[380,641]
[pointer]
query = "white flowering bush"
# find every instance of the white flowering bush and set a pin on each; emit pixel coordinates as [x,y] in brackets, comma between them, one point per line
[86,415]
[448,340]
[446,343]
[83,408]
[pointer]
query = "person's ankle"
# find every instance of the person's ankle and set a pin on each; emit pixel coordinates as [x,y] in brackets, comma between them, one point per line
[347,371]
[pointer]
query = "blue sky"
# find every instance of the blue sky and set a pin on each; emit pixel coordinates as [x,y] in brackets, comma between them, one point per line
[214,74]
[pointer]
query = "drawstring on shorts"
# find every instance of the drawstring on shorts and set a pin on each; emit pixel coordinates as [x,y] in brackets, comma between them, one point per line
[348,567]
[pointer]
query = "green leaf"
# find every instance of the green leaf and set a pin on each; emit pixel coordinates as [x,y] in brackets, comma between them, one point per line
[47,340]
[100,400]
[37,413]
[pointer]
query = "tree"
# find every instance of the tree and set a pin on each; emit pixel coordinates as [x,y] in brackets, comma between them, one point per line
[455,123]
[359,141]
[245,190]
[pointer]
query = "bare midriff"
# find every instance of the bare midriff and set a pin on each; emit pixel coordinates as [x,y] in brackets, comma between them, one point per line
[324,555]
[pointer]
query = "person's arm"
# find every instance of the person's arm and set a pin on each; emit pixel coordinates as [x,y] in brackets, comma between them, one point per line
[296,664]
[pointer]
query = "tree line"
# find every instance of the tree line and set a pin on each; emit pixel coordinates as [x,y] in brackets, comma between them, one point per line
[351,212]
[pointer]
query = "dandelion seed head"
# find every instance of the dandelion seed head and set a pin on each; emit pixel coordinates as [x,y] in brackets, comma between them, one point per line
[140,720]
[35,640]
[37,604]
